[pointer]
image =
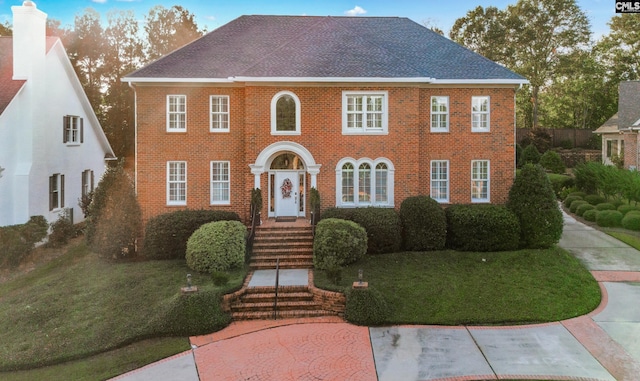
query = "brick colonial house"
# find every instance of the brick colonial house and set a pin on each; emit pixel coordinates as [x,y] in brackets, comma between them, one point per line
[369,111]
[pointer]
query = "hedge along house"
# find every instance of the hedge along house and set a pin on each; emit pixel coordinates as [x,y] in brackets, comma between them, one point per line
[369,111]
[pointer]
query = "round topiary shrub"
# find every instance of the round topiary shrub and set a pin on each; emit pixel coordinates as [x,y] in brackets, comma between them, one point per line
[574,205]
[532,200]
[616,203]
[571,198]
[366,307]
[594,199]
[424,224]
[624,209]
[383,229]
[530,155]
[337,243]
[583,208]
[482,227]
[591,215]
[217,246]
[551,161]
[606,206]
[631,221]
[609,218]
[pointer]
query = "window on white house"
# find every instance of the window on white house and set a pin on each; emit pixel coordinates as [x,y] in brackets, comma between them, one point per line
[176,113]
[219,107]
[87,182]
[285,114]
[364,112]
[220,182]
[371,185]
[440,180]
[439,114]
[480,181]
[480,114]
[72,129]
[176,183]
[56,191]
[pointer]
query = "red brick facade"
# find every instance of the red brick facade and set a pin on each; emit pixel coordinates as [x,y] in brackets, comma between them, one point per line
[409,144]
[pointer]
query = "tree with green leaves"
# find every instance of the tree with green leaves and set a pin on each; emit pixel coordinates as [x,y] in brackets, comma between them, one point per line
[5,29]
[168,30]
[483,30]
[620,49]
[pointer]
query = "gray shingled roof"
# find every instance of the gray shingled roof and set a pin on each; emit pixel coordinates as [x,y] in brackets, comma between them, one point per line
[315,47]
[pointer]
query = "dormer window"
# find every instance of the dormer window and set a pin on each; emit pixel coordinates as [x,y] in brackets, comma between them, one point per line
[285,114]
[72,129]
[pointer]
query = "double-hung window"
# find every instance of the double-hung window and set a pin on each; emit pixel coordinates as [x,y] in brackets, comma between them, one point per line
[176,183]
[440,180]
[480,114]
[364,112]
[176,113]
[439,114]
[220,183]
[72,129]
[56,191]
[480,181]
[87,182]
[219,107]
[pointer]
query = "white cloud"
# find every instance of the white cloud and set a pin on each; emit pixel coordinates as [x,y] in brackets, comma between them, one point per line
[358,10]
[99,1]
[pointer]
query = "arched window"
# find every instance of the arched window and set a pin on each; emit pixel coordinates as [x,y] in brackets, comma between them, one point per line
[364,183]
[285,114]
[347,183]
[373,182]
[382,187]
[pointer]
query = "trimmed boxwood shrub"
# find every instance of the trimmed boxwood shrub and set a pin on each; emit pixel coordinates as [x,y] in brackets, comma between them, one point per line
[624,209]
[571,198]
[609,218]
[339,213]
[482,228]
[606,206]
[383,229]
[616,203]
[166,235]
[574,205]
[16,241]
[594,199]
[193,314]
[424,224]
[217,246]
[551,161]
[591,215]
[631,221]
[366,307]
[337,243]
[578,193]
[532,200]
[530,155]
[583,208]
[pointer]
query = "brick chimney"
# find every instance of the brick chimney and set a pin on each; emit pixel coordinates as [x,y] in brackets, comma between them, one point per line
[29,39]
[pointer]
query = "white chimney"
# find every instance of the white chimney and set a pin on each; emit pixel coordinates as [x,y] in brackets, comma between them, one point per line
[29,39]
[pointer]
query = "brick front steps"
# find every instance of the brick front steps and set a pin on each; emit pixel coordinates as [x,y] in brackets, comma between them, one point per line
[293,245]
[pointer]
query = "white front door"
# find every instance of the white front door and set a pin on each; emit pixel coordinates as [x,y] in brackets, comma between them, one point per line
[286,195]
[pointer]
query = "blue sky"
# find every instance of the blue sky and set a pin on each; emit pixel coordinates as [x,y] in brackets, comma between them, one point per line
[214,13]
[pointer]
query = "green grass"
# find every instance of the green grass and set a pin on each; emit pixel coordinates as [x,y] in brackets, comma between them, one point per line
[79,305]
[631,240]
[452,288]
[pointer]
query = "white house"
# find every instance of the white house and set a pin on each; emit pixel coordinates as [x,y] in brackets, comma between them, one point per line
[52,147]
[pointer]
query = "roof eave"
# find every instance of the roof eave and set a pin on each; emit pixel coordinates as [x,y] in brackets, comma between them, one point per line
[493,81]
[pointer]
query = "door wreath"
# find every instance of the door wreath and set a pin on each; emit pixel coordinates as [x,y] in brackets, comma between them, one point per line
[286,188]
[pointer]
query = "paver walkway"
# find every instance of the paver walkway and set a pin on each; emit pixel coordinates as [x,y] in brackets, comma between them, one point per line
[603,345]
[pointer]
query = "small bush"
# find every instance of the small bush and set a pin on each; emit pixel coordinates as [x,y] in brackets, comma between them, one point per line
[606,206]
[424,224]
[567,201]
[551,161]
[193,314]
[624,209]
[61,230]
[217,246]
[583,208]
[366,307]
[594,199]
[166,235]
[616,203]
[530,155]
[574,205]
[591,215]
[17,241]
[383,229]
[631,221]
[482,228]
[578,193]
[337,243]
[609,218]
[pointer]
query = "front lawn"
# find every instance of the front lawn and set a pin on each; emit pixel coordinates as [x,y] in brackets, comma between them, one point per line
[452,288]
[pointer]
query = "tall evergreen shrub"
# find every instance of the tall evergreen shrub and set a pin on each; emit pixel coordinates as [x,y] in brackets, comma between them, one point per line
[424,224]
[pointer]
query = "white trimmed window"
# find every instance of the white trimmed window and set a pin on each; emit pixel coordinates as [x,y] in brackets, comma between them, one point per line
[480,181]
[439,114]
[364,112]
[285,114]
[72,129]
[219,107]
[364,182]
[176,183]
[87,182]
[56,191]
[480,114]
[176,113]
[440,180]
[220,183]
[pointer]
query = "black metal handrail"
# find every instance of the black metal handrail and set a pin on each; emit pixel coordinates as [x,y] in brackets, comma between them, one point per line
[255,216]
[275,300]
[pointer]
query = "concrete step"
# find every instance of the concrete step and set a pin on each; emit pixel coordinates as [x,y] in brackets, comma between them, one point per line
[269,297]
[268,265]
[268,315]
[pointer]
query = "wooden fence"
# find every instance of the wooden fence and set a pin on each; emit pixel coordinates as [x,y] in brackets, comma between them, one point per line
[578,138]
